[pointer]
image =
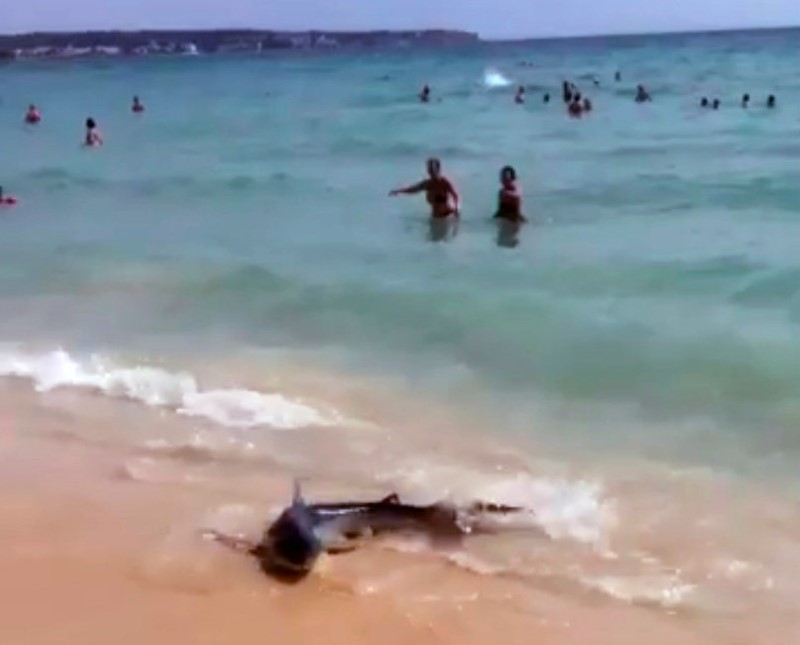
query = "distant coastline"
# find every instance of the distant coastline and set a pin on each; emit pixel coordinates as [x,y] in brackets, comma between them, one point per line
[217,41]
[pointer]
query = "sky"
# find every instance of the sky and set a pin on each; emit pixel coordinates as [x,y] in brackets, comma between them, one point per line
[490,18]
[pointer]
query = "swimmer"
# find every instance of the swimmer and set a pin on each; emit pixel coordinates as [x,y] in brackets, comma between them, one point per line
[520,96]
[704,102]
[93,137]
[618,76]
[441,194]
[33,116]
[642,95]
[575,108]
[771,101]
[715,105]
[138,106]
[6,200]
[746,100]
[509,199]
[587,105]
[425,94]
[546,98]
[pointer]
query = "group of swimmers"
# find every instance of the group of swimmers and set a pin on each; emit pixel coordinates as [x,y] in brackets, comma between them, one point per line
[92,137]
[577,105]
[441,194]
[445,201]
[715,104]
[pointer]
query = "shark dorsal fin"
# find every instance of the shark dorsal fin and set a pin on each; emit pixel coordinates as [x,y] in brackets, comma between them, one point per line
[297,495]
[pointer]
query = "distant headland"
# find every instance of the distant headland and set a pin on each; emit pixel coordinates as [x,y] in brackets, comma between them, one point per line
[195,42]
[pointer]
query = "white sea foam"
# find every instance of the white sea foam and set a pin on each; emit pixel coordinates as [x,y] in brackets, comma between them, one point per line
[564,509]
[666,591]
[236,408]
[492,78]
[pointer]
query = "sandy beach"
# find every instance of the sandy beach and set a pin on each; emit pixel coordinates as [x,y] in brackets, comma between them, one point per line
[91,555]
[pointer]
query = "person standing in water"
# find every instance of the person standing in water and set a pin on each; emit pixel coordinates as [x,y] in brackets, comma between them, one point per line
[439,190]
[93,138]
[746,101]
[138,106]
[425,94]
[642,95]
[520,96]
[509,199]
[33,116]
[771,101]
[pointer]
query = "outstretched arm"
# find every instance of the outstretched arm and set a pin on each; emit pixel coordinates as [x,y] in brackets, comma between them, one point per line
[410,190]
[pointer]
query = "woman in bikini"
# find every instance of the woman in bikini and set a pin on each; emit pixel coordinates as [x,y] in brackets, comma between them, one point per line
[441,194]
[509,199]
[93,137]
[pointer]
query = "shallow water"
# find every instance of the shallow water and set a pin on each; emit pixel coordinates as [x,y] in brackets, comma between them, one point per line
[228,251]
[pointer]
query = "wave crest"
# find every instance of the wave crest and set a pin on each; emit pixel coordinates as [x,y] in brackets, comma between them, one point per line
[155,387]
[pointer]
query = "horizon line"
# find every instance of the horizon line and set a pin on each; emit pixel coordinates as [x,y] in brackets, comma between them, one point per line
[481,37]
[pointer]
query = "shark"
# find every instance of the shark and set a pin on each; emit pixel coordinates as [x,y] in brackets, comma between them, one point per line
[291,545]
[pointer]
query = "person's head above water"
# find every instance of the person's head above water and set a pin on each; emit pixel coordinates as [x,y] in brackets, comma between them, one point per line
[704,102]
[715,104]
[546,98]
[508,175]
[434,168]
[745,100]
[90,124]
[771,100]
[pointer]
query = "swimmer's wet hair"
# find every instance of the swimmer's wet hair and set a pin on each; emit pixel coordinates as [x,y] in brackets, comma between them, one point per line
[90,123]
[434,163]
[509,170]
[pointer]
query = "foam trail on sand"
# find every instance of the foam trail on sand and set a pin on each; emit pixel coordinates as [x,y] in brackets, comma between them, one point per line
[574,510]
[155,387]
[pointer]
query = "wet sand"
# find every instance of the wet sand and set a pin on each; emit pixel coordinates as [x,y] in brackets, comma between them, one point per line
[88,555]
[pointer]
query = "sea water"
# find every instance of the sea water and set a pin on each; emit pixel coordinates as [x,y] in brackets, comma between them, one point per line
[240,230]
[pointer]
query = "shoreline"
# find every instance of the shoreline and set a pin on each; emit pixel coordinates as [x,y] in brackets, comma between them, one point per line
[192,42]
[149,43]
[143,570]
[127,523]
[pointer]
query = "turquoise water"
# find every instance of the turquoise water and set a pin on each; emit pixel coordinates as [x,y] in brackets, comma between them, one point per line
[651,307]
